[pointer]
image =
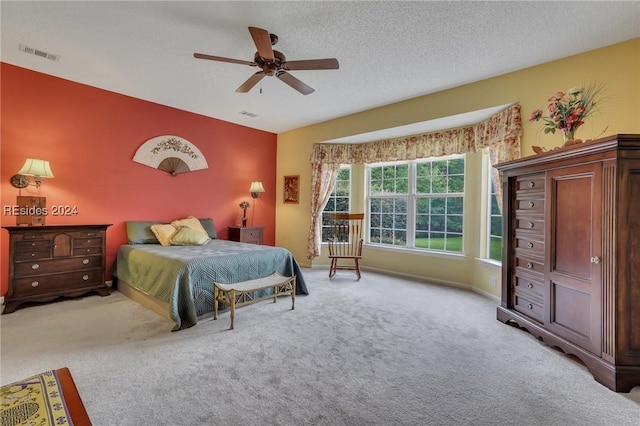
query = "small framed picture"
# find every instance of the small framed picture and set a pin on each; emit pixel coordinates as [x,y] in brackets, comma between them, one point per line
[292,189]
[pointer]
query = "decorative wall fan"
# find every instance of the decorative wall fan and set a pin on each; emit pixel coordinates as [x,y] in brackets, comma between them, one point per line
[275,63]
[171,154]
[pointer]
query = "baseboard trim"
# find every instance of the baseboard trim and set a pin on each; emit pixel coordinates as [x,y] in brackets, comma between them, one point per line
[426,280]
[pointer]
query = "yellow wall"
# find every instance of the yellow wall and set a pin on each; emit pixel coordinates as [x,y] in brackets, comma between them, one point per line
[617,66]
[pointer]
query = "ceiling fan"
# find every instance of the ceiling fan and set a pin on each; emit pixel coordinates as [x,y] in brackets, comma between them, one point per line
[273,62]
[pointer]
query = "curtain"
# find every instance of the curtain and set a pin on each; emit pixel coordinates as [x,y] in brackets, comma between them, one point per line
[500,133]
[323,182]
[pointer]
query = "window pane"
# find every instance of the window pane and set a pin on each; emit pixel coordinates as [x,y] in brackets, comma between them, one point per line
[494,249]
[339,201]
[456,184]
[454,205]
[438,205]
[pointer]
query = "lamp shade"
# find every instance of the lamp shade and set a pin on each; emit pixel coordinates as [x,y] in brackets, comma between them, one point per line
[36,167]
[256,187]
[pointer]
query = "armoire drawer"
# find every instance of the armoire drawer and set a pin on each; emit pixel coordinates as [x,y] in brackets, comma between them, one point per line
[528,307]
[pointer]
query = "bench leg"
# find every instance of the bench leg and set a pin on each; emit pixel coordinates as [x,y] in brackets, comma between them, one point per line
[233,306]
[215,302]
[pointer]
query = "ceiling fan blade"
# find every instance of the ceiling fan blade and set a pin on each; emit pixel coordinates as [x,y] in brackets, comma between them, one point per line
[312,64]
[221,59]
[262,41]
[294,82]
[251,81]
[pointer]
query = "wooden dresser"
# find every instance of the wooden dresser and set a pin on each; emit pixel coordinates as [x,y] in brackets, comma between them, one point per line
[571,261]
[46,262]
[252,235]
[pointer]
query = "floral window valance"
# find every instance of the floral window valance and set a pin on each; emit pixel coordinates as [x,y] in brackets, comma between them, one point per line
[502,132]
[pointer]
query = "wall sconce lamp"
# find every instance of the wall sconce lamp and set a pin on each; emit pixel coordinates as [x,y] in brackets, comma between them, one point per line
[32,167]
[256,189]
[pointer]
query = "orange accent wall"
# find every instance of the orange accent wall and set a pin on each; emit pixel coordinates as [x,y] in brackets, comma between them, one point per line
[90,135]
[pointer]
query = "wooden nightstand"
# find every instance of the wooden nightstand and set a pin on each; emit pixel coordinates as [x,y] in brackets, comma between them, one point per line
[47,262]
[252,235]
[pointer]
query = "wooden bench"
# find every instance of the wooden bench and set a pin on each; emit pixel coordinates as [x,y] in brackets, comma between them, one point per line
[242,293]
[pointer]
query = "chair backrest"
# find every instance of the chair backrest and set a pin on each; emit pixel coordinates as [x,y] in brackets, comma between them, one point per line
[345,235]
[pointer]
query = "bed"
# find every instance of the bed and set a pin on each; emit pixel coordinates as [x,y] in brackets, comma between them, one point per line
[176,281]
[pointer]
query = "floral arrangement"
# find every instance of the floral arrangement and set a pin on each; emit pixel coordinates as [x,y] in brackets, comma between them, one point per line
[568,110]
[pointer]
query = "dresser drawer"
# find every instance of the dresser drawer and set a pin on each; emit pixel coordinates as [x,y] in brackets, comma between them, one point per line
[79,251]
[252,236]
[528,307]
[32,245]
[87,242]
[39,285]
[32,255]
[24,269]
[89,233]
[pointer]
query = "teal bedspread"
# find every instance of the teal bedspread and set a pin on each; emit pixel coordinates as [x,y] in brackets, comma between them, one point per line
[183,276]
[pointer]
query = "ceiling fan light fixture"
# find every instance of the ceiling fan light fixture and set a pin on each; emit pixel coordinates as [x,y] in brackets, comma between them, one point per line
[273,63]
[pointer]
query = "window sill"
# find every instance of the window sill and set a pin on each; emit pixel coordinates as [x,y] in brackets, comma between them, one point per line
[489,263]
[417,252]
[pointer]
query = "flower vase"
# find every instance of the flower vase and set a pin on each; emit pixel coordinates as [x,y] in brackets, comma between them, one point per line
[568,135]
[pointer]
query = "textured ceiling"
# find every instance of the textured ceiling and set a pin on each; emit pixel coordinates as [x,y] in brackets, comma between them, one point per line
[388,51]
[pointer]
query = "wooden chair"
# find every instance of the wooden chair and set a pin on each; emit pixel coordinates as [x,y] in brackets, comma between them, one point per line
[345,241]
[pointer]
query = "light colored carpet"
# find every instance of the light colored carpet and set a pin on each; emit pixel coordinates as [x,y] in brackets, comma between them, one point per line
[382,350]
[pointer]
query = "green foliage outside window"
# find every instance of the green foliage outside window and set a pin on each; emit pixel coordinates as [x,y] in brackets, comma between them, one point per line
[417,205]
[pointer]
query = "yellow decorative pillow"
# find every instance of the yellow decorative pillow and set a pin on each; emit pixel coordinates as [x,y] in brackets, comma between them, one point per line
[163,233]
[190,222]
[189,237]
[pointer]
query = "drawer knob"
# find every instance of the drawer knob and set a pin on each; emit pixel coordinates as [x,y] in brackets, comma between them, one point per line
[88,250]
[85,277]
[530,306]
[530,245]
[85,261]
[35,266]
[33,244]
[35,284]
[33,255]
[595,260]
[529,265]
[530,285]
[531,184]
[531,204]
[531,225]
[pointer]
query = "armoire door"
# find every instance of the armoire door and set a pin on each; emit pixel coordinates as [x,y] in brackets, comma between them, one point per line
[573,259]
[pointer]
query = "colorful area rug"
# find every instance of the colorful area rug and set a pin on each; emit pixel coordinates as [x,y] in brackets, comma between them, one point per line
[49,398]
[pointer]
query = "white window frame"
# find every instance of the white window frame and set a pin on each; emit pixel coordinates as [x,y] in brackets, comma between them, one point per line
[489,203]
[411,202]
[333,196]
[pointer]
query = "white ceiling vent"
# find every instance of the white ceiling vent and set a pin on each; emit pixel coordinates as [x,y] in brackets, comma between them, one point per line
[38,52]
[248,114]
